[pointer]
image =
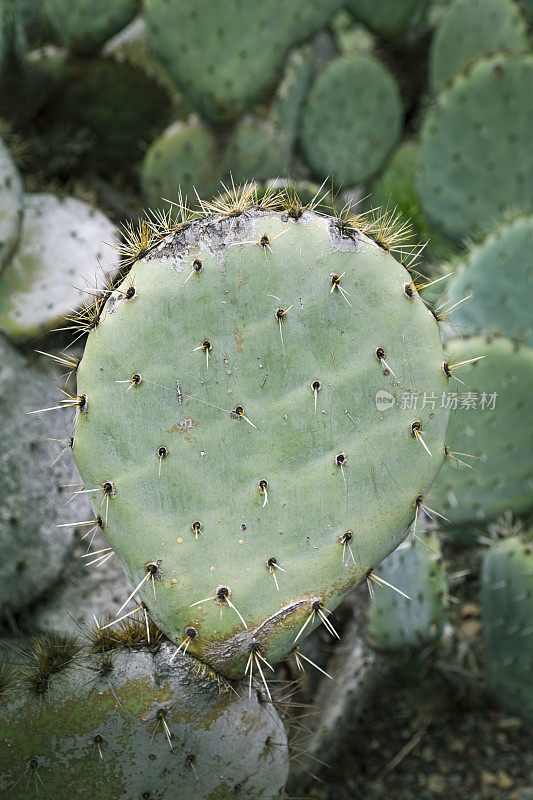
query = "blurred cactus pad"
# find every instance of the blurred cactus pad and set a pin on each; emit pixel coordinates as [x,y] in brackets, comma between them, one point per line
[475,147]
[230,433]
[416,617]
[507,605]
[242,45]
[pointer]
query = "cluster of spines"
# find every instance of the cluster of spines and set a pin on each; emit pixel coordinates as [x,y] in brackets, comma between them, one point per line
[386,227]
[45,656]
[53,653]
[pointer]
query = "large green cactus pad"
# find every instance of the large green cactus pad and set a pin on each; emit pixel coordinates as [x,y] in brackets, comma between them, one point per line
[179,456]
[352,119]
[498,273]
[507,609]
[225,55]
[472,29]
[476,145]
[498,434]
[416,569]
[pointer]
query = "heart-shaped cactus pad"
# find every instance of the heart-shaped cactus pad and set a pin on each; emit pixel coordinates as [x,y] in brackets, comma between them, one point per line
[260,414]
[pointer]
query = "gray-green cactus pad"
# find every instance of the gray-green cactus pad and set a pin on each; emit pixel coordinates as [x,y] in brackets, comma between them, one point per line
[185,155]
[476,147]
[83,26]
[10,205]
[507,612]
[225,55]
[138,725]
[33,550]
[496,430]
[416,569]
[194,437]
[62,252]
[352,119]
[472,29]
[498,273]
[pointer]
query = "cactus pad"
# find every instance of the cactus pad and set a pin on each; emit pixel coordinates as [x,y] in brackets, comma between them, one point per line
[416,569]
[499,274]
[507,613]
[116,103]
[471,29]
[186,155]
[84,27]
[352,119]
[224,56]
[61,249]
[388,17]
[475,147]
[499,438]
[120,725]
[227,494]
[11,205]
[257,150]
[33,550]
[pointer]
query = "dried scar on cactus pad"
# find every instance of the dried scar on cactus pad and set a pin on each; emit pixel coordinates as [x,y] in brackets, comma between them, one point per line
[243,410]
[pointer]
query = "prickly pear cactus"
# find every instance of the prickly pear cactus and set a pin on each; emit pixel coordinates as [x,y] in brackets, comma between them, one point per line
[242,45]
[472,29]
[60,254]
[84,27]
[414,568]
[498,306]
[242,422]
[351,140]
[477,138]
[186,154]
[10,205]
[507,613]
[388,17]
[489,438]
[118,725]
